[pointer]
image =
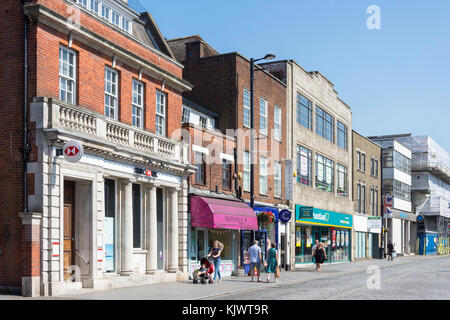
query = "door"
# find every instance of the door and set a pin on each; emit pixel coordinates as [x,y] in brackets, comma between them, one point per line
[109,228]
[69,230]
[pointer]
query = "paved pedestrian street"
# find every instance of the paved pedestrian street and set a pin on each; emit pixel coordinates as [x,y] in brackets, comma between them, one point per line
[414,277]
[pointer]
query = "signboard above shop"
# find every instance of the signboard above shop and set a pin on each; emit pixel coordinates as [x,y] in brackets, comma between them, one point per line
[324,217]
[306,212]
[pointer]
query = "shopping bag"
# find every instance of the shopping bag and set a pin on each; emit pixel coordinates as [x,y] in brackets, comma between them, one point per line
[277,272]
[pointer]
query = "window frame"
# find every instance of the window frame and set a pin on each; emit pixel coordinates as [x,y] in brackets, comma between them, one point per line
[202,166]
[185,114]
[308,108]
[263,175]
[308,157]
[246,171]
[246,109]
[277,131]
[111,95]
[136,106]
[323,185]
[162,115]
[226,174]
[263,116]
[340,133]
[67,78]
[344,192]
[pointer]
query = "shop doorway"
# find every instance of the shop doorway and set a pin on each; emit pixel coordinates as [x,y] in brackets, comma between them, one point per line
[110,225]
[69,227]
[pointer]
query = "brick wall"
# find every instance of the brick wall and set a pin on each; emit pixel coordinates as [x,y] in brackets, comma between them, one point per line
[11,135]
[218,85]
[218,142]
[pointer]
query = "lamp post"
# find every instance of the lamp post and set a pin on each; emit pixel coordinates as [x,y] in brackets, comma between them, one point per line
[268,56]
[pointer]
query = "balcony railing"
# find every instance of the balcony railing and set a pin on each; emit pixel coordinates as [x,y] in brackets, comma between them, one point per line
[88,123]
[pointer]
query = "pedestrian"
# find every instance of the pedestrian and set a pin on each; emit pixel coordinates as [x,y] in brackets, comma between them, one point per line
[390,248]
[320,255]
[255,259]
[313,251]
[215,252]
[272,262]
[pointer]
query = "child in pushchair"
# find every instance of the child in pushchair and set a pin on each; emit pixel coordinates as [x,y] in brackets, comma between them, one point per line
[204,273]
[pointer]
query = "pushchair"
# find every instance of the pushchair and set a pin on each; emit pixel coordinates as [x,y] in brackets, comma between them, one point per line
[206,276]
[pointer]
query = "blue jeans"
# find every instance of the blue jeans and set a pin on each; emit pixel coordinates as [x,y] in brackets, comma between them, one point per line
[216,268]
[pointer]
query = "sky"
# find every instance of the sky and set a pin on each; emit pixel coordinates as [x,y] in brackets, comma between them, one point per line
[395,79]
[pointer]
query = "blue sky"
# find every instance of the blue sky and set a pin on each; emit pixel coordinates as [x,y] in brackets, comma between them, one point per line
[396,80]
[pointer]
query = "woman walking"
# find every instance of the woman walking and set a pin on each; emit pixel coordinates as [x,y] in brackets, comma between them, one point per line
[215,253]
[272,262]
[320,255]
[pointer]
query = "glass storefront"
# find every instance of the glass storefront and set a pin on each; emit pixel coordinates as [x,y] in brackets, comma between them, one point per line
[335,238]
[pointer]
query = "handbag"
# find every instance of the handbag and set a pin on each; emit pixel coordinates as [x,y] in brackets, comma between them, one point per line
[277,273]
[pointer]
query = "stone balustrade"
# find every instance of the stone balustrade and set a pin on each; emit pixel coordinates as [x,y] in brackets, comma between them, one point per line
[83,121]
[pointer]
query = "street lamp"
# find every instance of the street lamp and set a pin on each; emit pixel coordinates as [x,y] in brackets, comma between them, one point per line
[268,56]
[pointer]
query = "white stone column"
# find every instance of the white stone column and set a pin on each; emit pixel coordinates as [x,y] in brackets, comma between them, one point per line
[127,231]
[173,232]
[288,246]
[408,237]
[152,239]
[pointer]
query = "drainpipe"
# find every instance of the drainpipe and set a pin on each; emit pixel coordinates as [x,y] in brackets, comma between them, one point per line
[26,146]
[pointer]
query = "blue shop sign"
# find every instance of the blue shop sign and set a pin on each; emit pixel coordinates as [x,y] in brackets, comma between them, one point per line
[325,218]
[284,216]
[265,209]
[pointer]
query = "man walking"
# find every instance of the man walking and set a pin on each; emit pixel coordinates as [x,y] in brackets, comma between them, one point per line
[390,248]
[255,259]
[313,251]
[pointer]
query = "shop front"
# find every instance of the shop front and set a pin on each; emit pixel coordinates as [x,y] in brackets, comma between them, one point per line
[333,229]
[223,220]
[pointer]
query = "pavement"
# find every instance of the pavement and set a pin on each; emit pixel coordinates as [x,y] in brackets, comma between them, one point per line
[334,277]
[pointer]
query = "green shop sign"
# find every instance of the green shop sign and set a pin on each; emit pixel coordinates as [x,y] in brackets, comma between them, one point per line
[323,217]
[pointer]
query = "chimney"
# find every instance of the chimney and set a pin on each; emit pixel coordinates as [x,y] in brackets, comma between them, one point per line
[195,49]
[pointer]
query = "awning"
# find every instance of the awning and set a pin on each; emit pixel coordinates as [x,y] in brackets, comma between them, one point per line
[222,214]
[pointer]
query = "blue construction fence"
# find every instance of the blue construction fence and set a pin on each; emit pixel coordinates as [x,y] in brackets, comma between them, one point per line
[432,243]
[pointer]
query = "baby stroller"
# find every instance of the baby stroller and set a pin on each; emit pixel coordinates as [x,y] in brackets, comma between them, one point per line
[206,276]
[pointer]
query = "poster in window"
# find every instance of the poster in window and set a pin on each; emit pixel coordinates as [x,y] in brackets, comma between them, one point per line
[304,164]
[308,239]
[338,238]
[341,180]
[320,172]
[346,238]
[298,238]
[342,238]
[328,176]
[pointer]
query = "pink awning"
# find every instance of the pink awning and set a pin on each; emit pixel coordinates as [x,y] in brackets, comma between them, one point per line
[222,214]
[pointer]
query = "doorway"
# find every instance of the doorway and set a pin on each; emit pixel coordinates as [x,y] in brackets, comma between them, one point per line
[69,228]
[160,228]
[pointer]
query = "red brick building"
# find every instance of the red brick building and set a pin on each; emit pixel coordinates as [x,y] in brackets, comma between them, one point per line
[100,73]
[222,85]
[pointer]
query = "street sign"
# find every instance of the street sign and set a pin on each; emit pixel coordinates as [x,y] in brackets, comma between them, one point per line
[420,218]
[284,216]
[73,151]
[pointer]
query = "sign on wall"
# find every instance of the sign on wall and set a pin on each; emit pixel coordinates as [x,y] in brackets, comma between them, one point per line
[73,151]
[289,179]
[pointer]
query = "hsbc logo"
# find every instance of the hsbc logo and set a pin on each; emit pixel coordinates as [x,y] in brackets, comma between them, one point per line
[73,151]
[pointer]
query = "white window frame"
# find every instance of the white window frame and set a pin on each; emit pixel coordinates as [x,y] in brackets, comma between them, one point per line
[119,16]
[81,3]
[112,95]
[246,110]
[185,118]
[92,7]
[160,128]
[129,24]
[246,169]
[137,105]
[277,180]
[263,180]
[68,78]
[263,117]
[104,8]
[277,123]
